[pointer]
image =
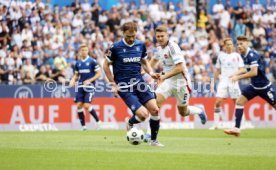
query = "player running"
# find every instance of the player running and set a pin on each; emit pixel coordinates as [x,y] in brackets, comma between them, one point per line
[260,85]
[228,62]
[175,81]
[127,56]
[87,71]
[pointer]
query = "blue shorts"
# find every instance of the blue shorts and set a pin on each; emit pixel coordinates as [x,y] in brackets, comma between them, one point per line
[85,94]
[136,96]
[267,94]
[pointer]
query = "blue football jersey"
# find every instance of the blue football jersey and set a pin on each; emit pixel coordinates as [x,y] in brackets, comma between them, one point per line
[126,61]
[86,68]
[252,58]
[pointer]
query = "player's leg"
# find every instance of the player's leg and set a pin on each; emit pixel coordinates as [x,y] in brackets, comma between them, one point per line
[133,103]
[89,93]
[247,94]
[268,95]
[80,99]
[217,113]
[163,91]
[148,99]
[222,93]
[81,115]
[154,121]
[183,96]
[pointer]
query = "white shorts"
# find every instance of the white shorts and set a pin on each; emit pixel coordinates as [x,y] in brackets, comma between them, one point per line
[228,91]
[167,89]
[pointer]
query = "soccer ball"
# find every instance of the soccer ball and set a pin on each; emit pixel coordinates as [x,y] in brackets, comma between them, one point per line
[135,136]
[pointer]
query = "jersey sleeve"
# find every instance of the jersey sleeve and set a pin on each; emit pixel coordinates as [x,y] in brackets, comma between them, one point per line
[240,61]
[218,63]
[109,54]
[144,52]
[96,67]
[253,60]
[76,68]
[176,53]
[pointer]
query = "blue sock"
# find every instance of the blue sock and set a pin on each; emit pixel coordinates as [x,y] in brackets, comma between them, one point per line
[238,115]
[81,117]
[154,126]
[94,114]
[134,120]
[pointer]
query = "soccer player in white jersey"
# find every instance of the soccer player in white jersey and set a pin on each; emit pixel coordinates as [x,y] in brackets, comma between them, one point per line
[175,81]
[228,62]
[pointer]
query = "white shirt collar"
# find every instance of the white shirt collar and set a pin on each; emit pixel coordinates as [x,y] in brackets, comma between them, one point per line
[128,44]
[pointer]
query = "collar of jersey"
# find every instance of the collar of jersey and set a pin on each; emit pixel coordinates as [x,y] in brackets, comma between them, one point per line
[127,43]
[83,60]
[248,49]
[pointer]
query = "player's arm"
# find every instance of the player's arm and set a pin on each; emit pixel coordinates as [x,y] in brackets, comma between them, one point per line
[74,79]
[153,62]
[94,78]
[110,77]
[177,70]
[108,72]
[178,60]
[148,69]
[216,74]
[252,73]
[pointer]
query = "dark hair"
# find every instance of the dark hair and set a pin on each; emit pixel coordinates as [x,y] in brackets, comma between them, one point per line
[129,26]
[242,38]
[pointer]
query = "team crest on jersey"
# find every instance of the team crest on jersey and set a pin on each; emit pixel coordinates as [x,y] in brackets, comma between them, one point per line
[166,56]
[87,64]
[124,50]
[137,49]
[79,64]
[132,107]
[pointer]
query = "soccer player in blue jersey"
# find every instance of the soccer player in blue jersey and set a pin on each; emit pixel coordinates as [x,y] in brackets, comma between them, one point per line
[127,56]
[87,71]
[260,85]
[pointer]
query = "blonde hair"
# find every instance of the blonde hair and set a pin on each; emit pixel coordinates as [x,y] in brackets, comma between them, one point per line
[161,29]
[227,39]
[83,46]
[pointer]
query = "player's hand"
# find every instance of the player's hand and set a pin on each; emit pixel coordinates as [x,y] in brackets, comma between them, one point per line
[159,81]
[234,78]
[86,82]
[155,75]
[115,90]
[72,83]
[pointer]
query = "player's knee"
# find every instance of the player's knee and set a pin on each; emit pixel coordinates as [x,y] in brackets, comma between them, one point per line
[183,111]
[79,106]
[86,106]
[154,111]
[218,103]
[240,102]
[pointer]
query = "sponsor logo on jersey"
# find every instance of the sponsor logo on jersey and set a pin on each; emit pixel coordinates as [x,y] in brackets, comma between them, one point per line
[84,71]
[132,59]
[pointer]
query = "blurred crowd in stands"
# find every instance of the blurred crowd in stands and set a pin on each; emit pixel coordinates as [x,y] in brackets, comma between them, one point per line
[39,41]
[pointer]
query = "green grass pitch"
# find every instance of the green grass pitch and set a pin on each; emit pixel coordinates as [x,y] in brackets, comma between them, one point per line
[106,149]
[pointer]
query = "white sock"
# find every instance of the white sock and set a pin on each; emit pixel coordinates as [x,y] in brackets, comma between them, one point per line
[217,116]
[194,110]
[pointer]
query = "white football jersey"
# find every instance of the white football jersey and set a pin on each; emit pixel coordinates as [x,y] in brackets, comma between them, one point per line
[169,57]
[229,64]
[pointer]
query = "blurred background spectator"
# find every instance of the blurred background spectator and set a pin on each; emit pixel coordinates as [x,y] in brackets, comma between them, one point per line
[39,40]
